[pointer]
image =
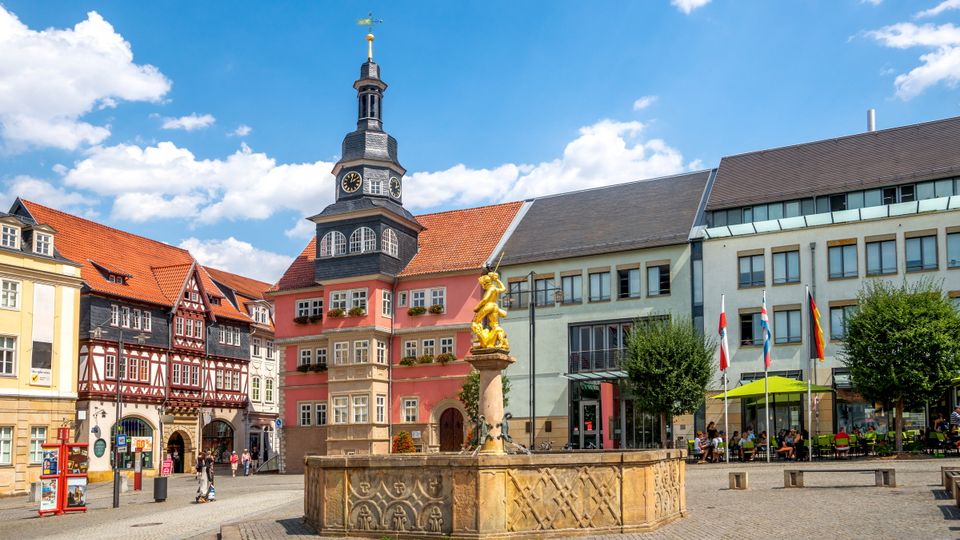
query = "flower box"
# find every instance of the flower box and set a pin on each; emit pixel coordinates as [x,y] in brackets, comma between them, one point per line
[416,310]
[336,313]
[357,312]
[301,319]
[316,318]
[436,309]
[318,367]
[425,359]
[408,361]
[303,368]
[444,358]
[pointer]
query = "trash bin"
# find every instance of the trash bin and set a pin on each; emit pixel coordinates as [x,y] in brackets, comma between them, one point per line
[160,488]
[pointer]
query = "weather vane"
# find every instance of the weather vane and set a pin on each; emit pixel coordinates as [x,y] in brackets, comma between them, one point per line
[369,21]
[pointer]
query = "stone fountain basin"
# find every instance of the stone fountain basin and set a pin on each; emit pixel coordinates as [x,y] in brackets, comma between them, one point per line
[494,496]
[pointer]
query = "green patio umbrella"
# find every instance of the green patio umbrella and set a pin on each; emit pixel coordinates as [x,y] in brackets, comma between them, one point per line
[777,385]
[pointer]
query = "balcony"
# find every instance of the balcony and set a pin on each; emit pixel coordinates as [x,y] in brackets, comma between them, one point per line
[598,364]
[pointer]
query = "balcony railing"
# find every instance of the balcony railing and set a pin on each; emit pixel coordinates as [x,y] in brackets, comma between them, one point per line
[596,360]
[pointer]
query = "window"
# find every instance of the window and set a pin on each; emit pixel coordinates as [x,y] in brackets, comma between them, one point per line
[175,377]
[786,326]
[658,280]
[921,253]
[114,314]
[838,321]
[179,329]
[543,291]
[132,364]
[438,297]
[333,243]
[629,283]
[410,349]
[38,436]
[410,409]
[750,331]
[518,296]
[137,319]
[261,314]
[361,351]
[751,271]
[402,301]
[786,267]
[145,370]
[322,356]
[272,350]
[375,186]
[110,368]
[881,257]
[268,393]
[341,404]
[381,352]
[189,327]
[8,355]
[322,413]
[419,299]
[953,250]
[198,331]
[306,413]
[125,317]
[9,237]
[236,380]
[6,445]
[572,287]
[194,375]
[599,286]
[257,347]
[338,300]
[340,352]
[389,243]
[842,261]
[303,308]
[363,240]
[306,357]
[43,244]
[429,347]
[386,303]
[219,379]
[446,345]
[360,410]
[381,409]
[358,299]
[255,389]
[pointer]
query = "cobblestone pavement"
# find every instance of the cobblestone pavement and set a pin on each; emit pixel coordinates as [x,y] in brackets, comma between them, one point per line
[139,517]
[917,508]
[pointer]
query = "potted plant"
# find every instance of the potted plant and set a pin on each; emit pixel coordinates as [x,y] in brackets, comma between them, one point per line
[436,309]
[425,359]
[316,318]
[303,368]
[336,313]
[302,319]
[403,443]
[408,361]
[357,312]
[318,367]
[416,310]
[444,358]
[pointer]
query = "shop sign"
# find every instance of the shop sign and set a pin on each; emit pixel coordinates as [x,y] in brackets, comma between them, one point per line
[415,434]
[99,447]
[144,444]
[166,467]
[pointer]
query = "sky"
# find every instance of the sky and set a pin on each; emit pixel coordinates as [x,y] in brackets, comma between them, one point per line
[214,125]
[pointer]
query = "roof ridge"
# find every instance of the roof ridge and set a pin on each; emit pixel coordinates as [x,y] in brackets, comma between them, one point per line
[442,212]
[234,274]
[620,184]
[843,137]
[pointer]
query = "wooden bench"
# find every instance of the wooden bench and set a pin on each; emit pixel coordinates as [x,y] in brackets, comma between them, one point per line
[793,478]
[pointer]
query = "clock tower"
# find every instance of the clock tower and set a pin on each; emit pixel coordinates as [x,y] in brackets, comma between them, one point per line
[366,230]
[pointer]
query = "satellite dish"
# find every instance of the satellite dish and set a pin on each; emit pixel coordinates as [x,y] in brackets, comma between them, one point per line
[96,431]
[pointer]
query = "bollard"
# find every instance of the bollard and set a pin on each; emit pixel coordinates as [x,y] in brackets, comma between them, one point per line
[738,480]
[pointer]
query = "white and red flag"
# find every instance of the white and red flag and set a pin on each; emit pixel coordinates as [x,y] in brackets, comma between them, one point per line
[724,346]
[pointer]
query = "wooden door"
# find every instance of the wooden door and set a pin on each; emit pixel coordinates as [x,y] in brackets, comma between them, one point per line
[451,430]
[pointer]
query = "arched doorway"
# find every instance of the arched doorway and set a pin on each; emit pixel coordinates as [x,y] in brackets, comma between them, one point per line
[451,430]
[177,450]
[218,440]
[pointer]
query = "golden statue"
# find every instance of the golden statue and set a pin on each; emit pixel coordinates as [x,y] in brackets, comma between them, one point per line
[487,332]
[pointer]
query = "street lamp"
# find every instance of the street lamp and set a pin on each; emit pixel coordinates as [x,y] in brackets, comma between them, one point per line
[533,293]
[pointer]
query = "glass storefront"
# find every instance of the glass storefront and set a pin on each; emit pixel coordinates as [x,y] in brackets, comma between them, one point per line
[626,424]
[218,440]
[138,432]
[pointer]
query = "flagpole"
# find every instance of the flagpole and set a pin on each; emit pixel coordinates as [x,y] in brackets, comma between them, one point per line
[766,382]
[724,361]
[726,422]
[810,379]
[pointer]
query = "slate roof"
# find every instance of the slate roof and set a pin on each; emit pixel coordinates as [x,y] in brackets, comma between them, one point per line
[347,206]
[301,271]
[866,160]
[621,217]
[26,247]
[246,291]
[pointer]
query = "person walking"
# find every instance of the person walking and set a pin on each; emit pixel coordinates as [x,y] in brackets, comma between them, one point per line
[246,462]
[254,459]
[199,465]
[208,463]
[233,463]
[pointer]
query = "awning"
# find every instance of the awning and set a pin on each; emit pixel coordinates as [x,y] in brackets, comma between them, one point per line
[596,375]
[777,385]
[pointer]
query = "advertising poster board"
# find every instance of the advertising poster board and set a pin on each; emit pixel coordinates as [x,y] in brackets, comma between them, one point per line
[166,467]
[78,459]
[76,492]
[48,494]
[50,460]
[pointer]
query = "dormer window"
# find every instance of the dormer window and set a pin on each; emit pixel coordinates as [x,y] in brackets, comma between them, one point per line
[215,300]
[10,236]
[43,243]
[117,278]
[261,315]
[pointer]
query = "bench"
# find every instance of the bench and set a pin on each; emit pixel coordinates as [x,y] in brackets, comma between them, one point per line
[793,478]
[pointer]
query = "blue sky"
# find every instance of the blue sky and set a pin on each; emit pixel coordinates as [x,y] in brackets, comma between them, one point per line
[215,125]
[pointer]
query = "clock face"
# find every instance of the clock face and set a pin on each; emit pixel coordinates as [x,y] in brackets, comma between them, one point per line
[351,181]
[395,187]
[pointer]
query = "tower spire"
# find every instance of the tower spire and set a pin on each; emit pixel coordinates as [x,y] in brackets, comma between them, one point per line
[369,21]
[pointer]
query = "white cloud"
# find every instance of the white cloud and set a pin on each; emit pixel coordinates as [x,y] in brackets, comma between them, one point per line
[45,193]
[643,102]
[242,131]
[50,79]
[238,257]
[301,229]
[941,65]
[946,5]
[189,122]
[688,6]
[872,2]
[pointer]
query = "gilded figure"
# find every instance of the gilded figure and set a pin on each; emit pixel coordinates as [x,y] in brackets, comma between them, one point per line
[487,332]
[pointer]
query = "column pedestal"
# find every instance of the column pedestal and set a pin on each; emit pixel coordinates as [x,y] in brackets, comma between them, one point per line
[491,363]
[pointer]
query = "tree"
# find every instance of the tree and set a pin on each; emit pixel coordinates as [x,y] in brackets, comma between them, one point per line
[902,345]
[470,394]
[670,363]
[403,443]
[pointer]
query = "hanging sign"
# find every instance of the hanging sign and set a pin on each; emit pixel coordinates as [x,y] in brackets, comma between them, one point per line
[99,447]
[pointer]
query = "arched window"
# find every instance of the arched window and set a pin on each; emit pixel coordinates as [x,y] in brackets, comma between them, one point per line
[136,430]
[389,244]
[333,243]
[363,240]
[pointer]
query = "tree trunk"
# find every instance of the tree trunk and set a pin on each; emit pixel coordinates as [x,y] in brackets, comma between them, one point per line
[899,426]
[663,431]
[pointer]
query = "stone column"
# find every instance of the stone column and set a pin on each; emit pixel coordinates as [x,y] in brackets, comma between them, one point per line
[491,363]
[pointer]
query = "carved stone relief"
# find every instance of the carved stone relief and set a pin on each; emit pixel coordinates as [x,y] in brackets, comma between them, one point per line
[398,500]
[563,498]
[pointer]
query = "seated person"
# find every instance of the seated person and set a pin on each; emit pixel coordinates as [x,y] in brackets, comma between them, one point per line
[733,445]
[786,446]
[800,445]
[841,442]
[698,446]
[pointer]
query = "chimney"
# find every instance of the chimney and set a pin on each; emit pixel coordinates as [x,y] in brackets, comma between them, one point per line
[871,119]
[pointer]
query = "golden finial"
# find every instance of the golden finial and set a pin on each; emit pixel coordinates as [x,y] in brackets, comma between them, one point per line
[369,21]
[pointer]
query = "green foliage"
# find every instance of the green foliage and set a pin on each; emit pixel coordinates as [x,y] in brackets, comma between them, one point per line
[436,309]
[403,444]
[670,364]
[357,312]
[336,313]
[425,359]
[416,310]
[302,319]
[445,357]
[902,343]
[408,361]
[470,394]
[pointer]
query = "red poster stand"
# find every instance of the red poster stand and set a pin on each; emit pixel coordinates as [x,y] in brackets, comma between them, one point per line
[64,479]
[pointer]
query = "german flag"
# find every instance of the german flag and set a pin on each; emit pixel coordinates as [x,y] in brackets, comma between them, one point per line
[816,344]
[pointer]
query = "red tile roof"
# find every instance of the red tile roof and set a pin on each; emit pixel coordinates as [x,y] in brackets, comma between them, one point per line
[157,270]
[249,287]
[451,241]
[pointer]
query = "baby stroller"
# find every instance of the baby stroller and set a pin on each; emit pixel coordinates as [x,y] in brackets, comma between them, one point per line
[209,496]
